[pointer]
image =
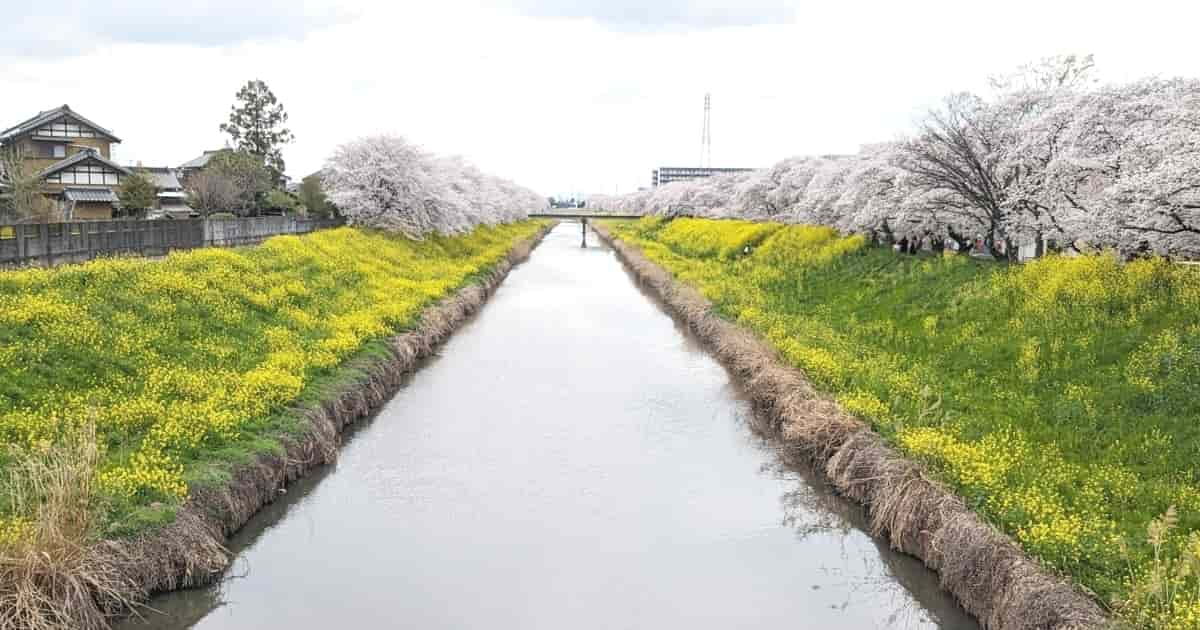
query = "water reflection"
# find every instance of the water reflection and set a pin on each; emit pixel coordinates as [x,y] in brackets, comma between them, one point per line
[572,459]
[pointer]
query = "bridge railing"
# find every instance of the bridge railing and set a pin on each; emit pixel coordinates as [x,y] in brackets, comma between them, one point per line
[581,215]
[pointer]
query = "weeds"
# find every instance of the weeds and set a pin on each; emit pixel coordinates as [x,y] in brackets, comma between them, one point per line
[1057,397]
[190,361]
[1166,592]
[52,575]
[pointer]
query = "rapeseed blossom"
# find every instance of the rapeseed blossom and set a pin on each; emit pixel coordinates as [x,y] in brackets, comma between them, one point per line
[177,359]
[1057,397]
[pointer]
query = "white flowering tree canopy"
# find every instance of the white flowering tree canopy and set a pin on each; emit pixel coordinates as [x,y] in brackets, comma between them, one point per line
[385,182]
[1050,158]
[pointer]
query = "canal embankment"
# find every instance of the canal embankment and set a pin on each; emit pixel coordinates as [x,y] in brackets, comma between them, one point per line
[571,457]
[251,363]
[190,551]
[984,569]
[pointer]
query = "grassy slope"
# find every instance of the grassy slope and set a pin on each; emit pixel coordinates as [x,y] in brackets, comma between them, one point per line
[1058,397]
[189,365]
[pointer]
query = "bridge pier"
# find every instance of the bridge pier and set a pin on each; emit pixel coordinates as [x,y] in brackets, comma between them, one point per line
[583,222]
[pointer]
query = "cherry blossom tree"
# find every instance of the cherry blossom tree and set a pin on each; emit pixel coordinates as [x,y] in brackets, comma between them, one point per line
[1048,158]
[1130,166]
[388,183]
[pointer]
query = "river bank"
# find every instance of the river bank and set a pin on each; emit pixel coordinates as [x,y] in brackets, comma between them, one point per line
[572,457]
[983,568]
[188,549]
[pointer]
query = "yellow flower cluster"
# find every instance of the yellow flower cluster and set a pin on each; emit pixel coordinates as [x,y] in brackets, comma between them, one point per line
[981,465]
[696,237]
[175,359]
[149,471]
[808,246]
[1057,396]
[866,405]
[13,530]
[1184,613]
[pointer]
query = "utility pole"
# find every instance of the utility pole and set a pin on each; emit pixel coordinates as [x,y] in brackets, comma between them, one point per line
[706,134]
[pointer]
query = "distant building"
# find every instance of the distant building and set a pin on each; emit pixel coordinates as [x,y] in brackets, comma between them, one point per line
[73,157]
[170,198]
[668,174]
[196,165]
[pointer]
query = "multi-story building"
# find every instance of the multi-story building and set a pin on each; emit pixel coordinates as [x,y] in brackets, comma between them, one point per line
[73,158]
[667,174]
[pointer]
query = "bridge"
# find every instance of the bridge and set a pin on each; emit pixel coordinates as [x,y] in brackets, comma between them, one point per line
[582,217]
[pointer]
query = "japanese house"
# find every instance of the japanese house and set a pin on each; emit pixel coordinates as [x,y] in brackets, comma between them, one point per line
[73,157]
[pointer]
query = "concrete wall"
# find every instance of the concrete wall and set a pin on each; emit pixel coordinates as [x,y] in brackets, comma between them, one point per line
[49,244]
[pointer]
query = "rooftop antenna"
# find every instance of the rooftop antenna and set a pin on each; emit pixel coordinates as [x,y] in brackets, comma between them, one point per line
[706,135]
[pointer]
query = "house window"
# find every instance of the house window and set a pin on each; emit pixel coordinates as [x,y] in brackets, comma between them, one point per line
[60,151]
[89,175]
[63,129]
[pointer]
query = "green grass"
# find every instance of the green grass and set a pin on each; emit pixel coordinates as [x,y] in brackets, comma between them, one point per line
[1059,398]
[190,366]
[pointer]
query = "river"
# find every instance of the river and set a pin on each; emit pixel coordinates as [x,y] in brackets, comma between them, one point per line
[571,459]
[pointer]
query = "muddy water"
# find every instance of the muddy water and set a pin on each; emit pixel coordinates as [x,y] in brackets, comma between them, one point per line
[571,460]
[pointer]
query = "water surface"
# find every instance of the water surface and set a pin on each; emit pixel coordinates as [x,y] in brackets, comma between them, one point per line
[572,459]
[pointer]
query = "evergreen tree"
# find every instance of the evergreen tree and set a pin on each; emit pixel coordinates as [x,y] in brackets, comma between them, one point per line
[312,195]
[257,125]
[138,193]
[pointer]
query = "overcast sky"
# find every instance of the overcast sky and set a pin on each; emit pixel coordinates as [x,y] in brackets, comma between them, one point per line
[559,95]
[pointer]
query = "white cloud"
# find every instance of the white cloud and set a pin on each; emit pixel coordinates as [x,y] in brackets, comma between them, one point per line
[566,105]
[73,27]
[641,16]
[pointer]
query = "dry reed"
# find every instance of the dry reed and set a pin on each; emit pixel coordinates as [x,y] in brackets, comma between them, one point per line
[51,575]
[61,576]
[983,568]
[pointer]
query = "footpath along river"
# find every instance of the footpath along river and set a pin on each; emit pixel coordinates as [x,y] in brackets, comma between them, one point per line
[572,459]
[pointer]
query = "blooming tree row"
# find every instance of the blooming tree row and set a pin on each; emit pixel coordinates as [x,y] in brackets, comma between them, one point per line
[1050,158]
[386,182]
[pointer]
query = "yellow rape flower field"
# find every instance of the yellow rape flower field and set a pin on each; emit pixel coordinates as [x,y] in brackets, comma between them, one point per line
[1059,397]
[187,365]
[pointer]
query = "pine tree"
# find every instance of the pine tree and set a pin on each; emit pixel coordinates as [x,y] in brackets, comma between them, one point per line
[257,125]
[138,193]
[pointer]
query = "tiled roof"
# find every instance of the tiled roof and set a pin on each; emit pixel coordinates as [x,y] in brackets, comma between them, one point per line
[164,178]
[49,116]
[201,161]
[82,156]
[98,195]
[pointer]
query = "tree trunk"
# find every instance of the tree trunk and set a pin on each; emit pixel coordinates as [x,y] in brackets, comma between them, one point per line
[964,245]
[888,237]
[992,243]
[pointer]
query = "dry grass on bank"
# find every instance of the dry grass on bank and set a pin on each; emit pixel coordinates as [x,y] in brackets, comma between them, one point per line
[1057,398]
[63,563]
[51,574]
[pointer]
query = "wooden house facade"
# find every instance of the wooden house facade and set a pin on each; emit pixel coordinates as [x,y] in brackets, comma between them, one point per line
[73,158]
